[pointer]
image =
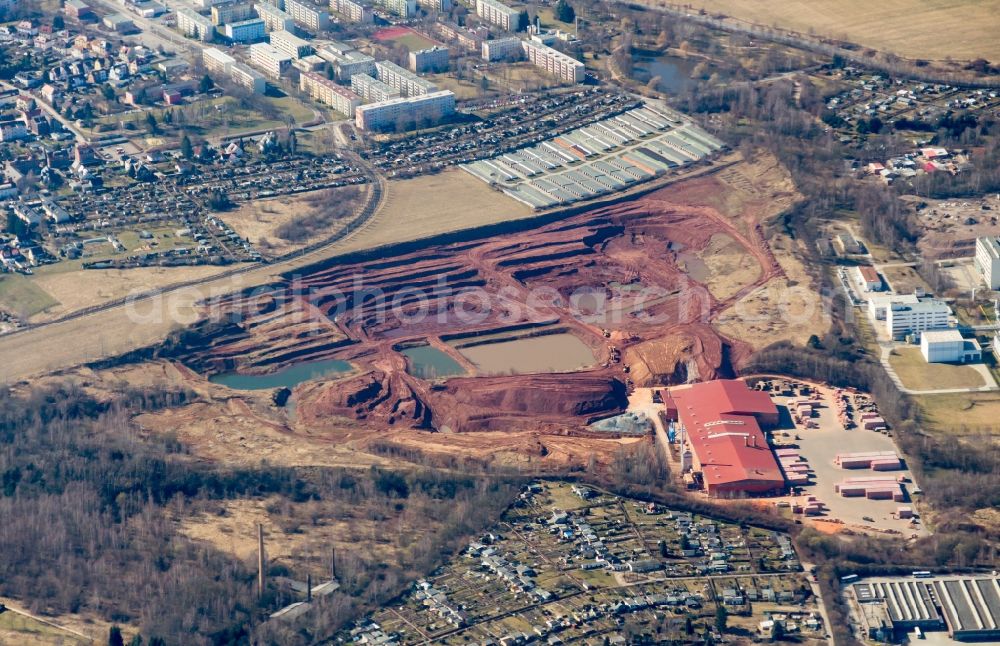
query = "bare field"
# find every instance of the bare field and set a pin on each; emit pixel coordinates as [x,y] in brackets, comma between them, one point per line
[730,267]
[266,223]
[960,29]
[433,204]
[904,280]
[76,290]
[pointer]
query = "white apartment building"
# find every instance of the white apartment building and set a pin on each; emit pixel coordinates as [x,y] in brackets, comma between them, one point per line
[270,60]
[502,49]
[372,90]
[432,59]
[194,25]
[988,260]
[405,112]
[401,8]
[497,13]
[217,61]
[441,6]
[307,15]
[231,12]
[554,62]
[248,79]
[347,62]
[403,81]
[353,10]
[289,43]
[245,31]
[329,93]
[274,18]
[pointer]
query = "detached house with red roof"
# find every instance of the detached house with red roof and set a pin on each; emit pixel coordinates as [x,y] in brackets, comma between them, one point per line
[723,422]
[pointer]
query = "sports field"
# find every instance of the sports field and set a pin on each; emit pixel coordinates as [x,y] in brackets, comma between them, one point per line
[931,29]
[406,37]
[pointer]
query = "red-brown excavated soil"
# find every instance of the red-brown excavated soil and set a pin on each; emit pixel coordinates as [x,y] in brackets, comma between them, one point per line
[610,277]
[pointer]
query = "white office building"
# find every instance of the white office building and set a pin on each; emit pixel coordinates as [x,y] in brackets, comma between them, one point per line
[307,15]
[245,31]
[274,18]
[948,346]
[289,43]
[194,25]
[405,113]
[988,260]
[269,60]
[497,13]
[403,81]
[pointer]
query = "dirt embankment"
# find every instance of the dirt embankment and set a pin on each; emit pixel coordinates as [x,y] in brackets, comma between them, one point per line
[641,283]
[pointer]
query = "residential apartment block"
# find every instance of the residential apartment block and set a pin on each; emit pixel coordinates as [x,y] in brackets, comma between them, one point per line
[327,92]
[228,12]
[274,18]
[289,43]
[988,260]
[270,60]
[403,81]
[247,79]
[441,6]
[554,62]
[307,15]
[217,61]
[194,25]
[346,60]
[372,90]
[432,59]
[245,31]
[497,13]
[470,39]
[401,113]
[503,49]
[353,10]
[401,8]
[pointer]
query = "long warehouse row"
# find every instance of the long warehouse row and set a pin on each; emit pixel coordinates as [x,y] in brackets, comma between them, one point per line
[601,158]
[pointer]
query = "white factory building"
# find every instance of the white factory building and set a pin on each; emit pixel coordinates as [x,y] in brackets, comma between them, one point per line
[988,260]
[906,314]
[948,346]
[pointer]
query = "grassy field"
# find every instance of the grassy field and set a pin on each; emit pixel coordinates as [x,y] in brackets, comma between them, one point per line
[18,629]
[19,295]
[917,374]
[971,412]
[936,30]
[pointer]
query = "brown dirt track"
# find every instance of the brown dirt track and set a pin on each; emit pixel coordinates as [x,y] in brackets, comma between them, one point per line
[612,277]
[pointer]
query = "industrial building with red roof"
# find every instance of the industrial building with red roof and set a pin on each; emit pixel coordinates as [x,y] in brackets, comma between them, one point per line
[722,422]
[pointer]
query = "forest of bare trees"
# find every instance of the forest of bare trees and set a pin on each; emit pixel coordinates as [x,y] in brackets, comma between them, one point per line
[90,507]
